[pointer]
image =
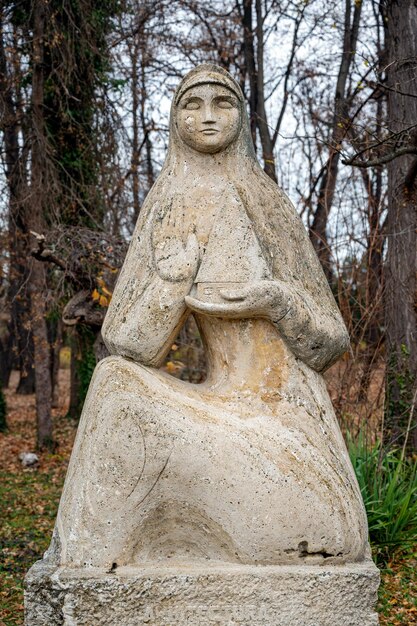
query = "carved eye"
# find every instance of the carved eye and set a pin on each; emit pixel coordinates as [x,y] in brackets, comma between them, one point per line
[192,105]
[224,104]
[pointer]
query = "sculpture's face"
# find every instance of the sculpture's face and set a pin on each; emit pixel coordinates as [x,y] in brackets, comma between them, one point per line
[208,118]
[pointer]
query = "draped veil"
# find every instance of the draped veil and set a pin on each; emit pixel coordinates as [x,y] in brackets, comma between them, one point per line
[148,309]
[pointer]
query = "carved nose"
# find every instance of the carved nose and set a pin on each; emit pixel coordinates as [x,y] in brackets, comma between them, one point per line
[208,117]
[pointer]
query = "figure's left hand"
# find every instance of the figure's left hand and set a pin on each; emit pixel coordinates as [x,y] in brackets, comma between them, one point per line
[270,299]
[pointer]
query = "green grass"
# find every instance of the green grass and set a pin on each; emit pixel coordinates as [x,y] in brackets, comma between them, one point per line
[388,483]
[28,505]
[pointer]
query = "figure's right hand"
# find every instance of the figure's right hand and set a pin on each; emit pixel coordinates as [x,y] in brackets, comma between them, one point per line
[176,261]
[263,298]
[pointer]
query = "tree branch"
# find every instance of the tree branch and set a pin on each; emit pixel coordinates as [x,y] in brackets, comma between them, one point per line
[381,142]
[44,254]
[382,160]
[41,253]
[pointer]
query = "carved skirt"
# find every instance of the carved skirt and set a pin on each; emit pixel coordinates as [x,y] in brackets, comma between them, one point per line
[163,469]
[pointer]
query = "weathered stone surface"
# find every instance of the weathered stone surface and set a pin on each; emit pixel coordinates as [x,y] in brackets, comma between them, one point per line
[203,596]
[249,469]
[244,482]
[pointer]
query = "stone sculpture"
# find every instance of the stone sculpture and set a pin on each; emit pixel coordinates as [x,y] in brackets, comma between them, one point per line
[232,501]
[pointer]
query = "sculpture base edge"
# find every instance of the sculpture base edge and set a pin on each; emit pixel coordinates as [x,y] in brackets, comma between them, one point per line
[213,595]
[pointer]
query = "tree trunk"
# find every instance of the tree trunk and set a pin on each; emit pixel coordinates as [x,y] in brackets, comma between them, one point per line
[401,266]
[261,117]
[372,323]
[150,176]
[250,65]
[5,361]
[35,218]
[26,384]
[340,123]
[74,403]
[3,412]
[42,351]
[21,342]
[373,295]
[55,341]
[135,157]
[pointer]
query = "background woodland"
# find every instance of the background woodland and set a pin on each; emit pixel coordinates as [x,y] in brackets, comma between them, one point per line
[85,88]
[331,90]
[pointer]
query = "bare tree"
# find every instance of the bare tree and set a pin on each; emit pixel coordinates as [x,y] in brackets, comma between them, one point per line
[401,263]
[396,149]
[20,340]
[35,219]
[339,127]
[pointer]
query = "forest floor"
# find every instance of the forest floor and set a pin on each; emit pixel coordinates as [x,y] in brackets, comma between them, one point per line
[29,500]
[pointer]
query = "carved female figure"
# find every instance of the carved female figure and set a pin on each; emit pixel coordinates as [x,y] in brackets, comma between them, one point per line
[250,466]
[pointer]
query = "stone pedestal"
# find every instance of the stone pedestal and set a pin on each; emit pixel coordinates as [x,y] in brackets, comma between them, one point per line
[215,595]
